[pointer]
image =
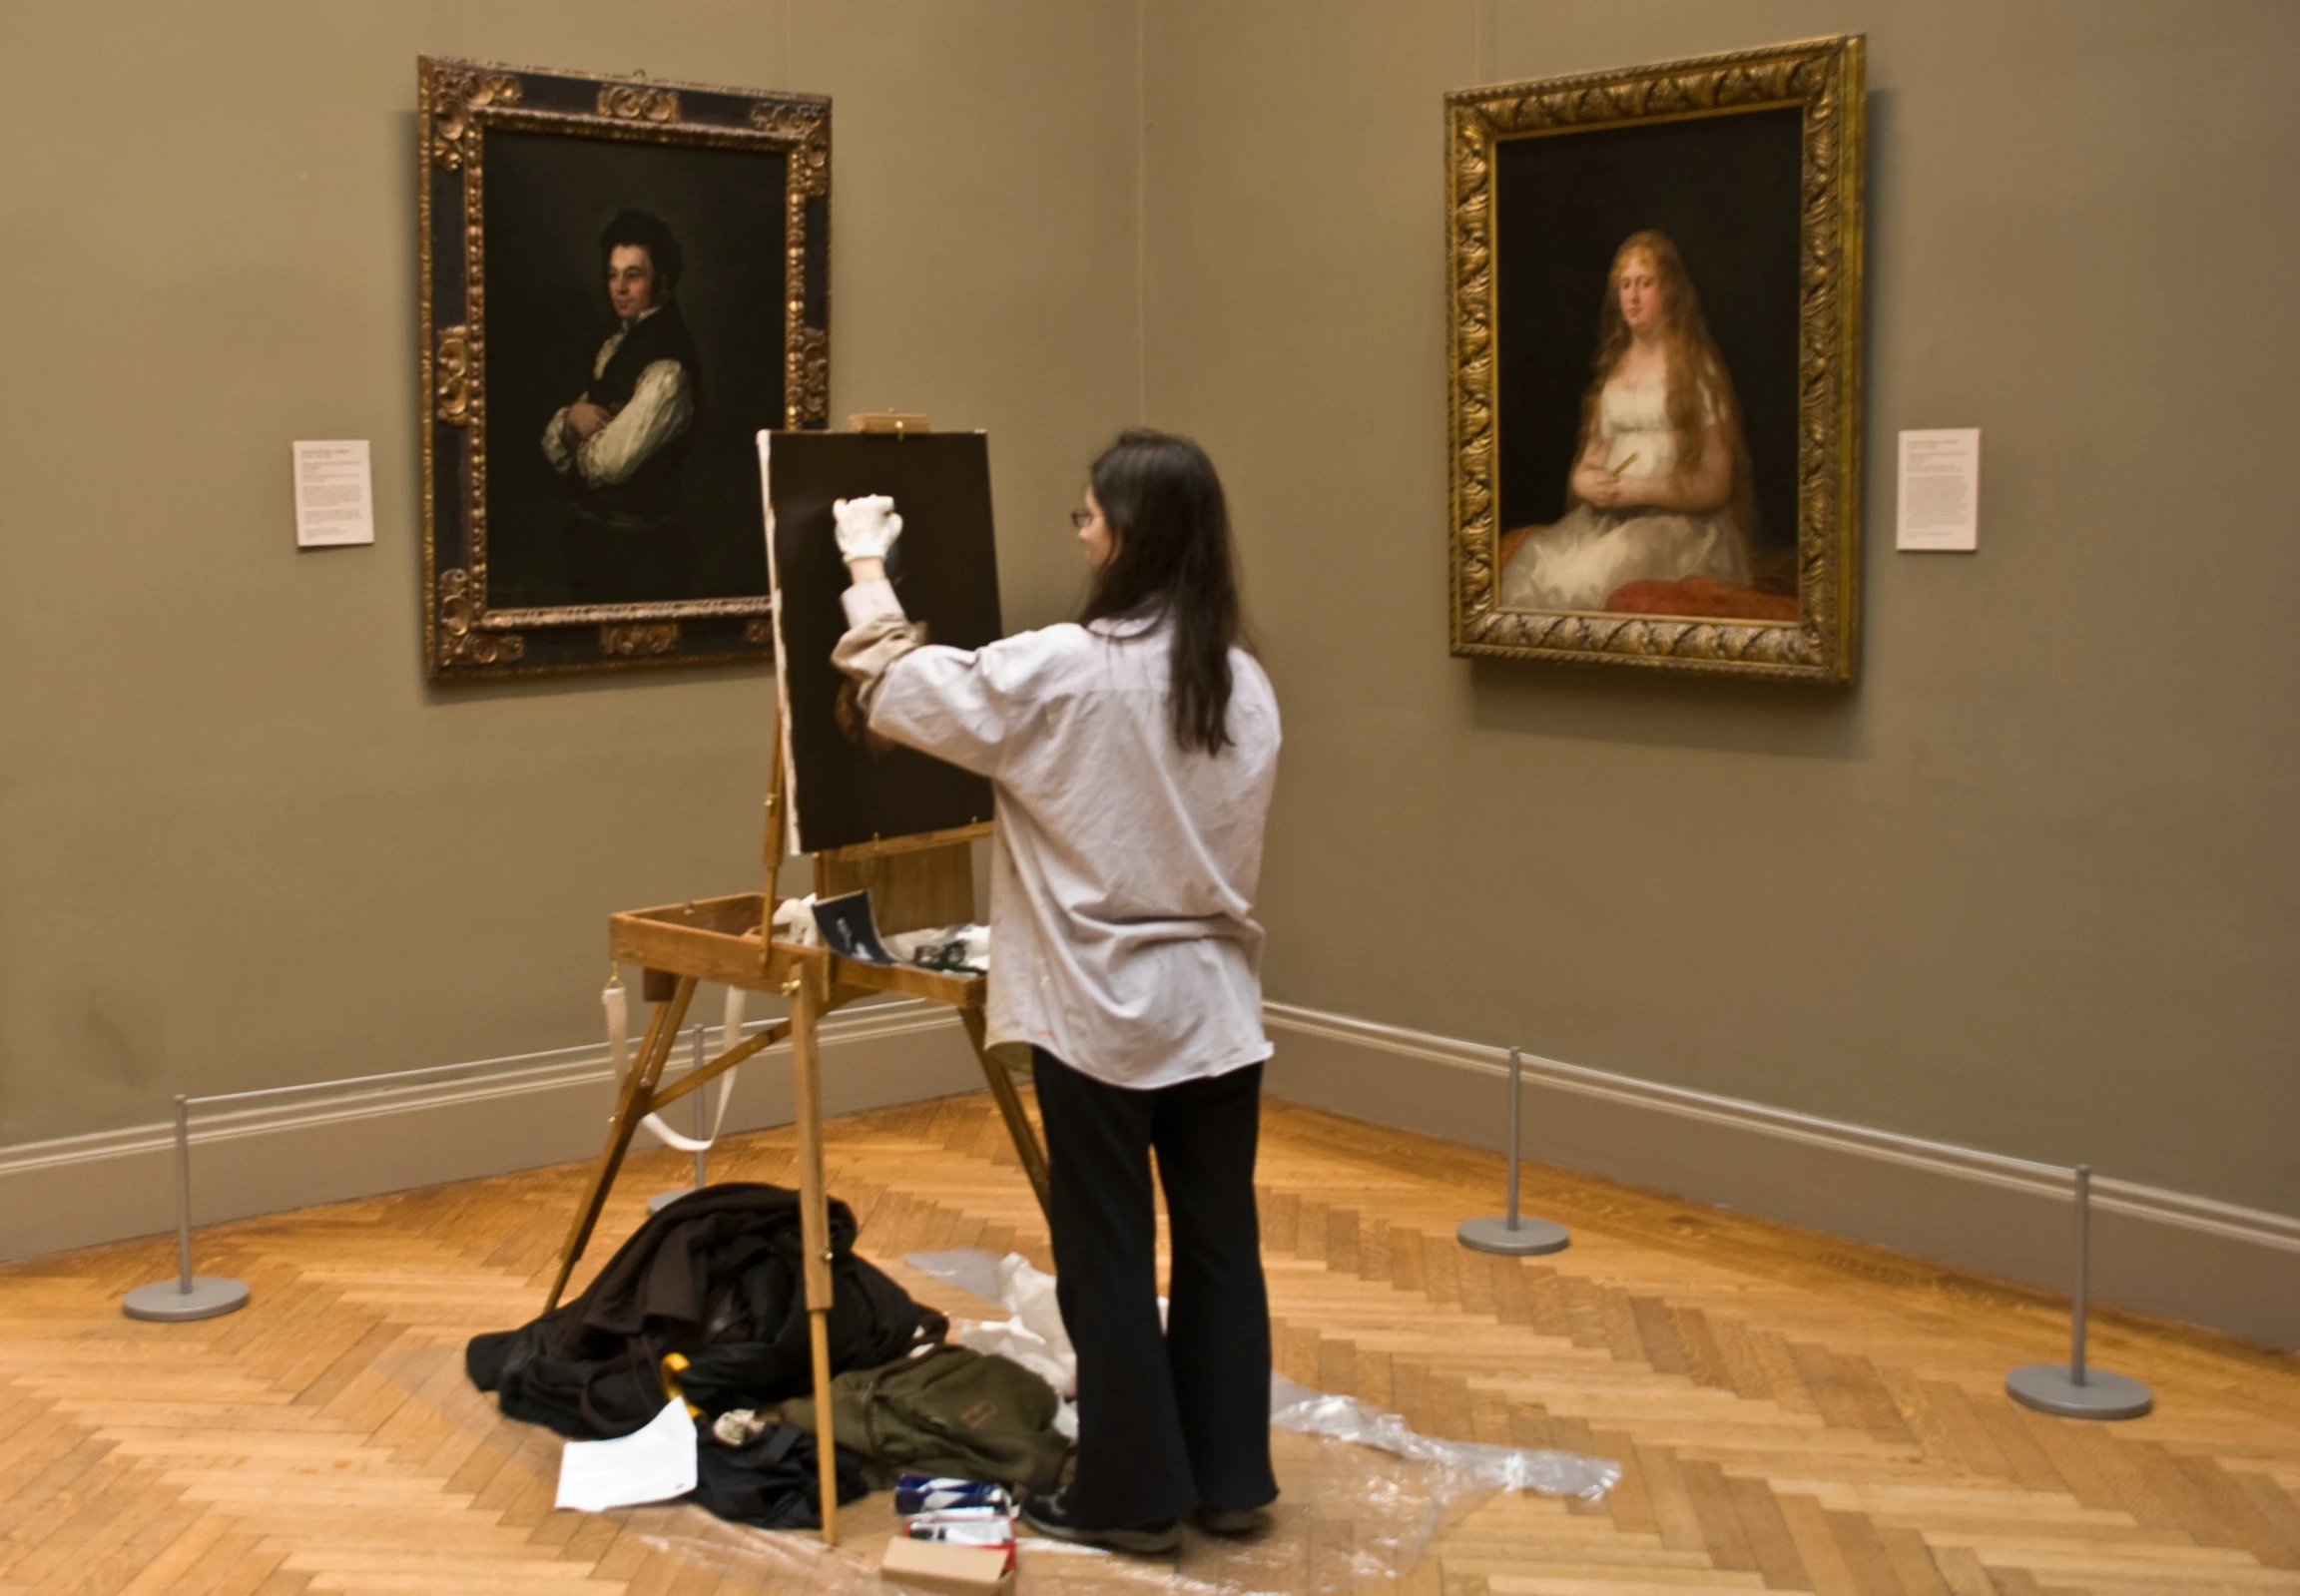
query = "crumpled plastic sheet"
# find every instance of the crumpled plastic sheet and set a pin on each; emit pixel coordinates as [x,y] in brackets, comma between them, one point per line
[1032,1335]
[1036,1337]
[1362,1498]
[971,1270]
[1476,1463]
[1348,1520]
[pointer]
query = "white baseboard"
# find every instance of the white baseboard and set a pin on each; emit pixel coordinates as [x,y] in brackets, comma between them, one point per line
[507,1114]
[2153,1249]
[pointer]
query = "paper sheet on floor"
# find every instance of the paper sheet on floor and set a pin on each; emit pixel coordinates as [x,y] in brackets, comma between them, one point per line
[652,1464]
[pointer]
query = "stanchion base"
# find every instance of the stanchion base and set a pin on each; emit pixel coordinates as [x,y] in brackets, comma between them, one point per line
[168,1302]
[1532,1236]
[663,1199]
[2048,1388]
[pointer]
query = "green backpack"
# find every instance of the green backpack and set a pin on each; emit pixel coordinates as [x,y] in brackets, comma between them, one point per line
[947,1411]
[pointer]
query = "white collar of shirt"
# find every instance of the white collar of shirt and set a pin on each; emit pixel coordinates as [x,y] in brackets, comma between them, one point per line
[615,339]
[1126,628]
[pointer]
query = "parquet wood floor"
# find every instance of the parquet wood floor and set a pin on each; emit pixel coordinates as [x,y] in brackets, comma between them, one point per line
[1791,1412]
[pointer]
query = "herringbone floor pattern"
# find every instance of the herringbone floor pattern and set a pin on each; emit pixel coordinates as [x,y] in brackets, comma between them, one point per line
[1791,1412]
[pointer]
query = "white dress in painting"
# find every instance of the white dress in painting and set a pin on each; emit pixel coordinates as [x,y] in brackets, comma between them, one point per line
[1588,554]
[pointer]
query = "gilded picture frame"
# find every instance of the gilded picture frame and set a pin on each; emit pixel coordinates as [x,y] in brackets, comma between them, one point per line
[622,281]
[1634,484]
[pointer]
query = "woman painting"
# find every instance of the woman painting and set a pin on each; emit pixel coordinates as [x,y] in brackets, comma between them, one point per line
[1659,489]
[1132,755]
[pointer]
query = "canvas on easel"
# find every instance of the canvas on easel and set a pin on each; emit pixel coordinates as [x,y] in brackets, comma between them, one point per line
[842,788]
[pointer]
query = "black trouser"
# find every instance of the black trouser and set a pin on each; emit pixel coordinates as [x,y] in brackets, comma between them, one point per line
[1171,1421]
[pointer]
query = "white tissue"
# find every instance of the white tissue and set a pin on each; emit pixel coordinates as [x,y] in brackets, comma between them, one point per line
[1034,1336]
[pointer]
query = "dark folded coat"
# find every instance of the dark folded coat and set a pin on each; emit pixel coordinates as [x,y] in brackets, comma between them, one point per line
[716,1276]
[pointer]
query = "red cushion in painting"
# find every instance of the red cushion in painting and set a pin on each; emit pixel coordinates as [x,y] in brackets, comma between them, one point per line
[1702,596]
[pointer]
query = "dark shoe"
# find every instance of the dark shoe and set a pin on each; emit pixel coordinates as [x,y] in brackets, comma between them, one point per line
[1049,1515]
[1234,1523]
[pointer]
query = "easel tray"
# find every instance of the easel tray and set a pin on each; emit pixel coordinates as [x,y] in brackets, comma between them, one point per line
[718,939]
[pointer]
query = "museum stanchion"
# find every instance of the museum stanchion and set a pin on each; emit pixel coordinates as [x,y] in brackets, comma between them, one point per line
[187,1295]
[2072,1389]
[1512,1234]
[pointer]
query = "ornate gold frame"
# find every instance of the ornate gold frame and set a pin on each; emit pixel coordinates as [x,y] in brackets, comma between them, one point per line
[1825,78]
[458,102]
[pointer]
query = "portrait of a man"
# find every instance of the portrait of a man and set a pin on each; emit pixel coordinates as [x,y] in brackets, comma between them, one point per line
[624,282]
[622,444]
[635,294]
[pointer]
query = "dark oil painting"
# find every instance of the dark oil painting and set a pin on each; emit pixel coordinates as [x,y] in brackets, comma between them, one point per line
[1648,366]
[670,510]
[846,787]
[1655,365]
[624,282]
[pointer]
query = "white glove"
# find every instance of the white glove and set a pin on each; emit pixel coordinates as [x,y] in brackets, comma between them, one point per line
[868,527]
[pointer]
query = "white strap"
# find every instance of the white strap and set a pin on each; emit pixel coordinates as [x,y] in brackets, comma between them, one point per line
[618,1025]
[618,1009]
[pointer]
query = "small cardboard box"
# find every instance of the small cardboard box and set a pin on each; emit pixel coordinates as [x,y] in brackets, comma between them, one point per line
[957,1570]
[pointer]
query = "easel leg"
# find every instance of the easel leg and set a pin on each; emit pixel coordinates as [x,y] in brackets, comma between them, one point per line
[654,1052]
[815,1231]
[1018,1127]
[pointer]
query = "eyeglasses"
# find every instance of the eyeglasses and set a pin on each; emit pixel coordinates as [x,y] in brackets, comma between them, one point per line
[1079,517]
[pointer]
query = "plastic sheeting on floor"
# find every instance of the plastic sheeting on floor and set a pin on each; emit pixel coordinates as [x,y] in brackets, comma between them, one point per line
[1350,1518]
[1363,1500]
[1035,1335]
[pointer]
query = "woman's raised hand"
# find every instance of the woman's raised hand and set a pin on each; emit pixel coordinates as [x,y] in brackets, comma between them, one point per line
[868,527]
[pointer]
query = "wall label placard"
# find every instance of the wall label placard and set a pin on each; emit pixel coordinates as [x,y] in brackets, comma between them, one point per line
[1940,489]
[334,493]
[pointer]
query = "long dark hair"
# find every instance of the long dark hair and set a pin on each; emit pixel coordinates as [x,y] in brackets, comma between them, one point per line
[1164,506]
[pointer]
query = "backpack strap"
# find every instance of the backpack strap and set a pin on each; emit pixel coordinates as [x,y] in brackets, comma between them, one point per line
[778,1445]
[867,1390]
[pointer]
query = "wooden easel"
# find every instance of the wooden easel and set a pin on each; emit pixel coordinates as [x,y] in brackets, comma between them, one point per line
[916,882]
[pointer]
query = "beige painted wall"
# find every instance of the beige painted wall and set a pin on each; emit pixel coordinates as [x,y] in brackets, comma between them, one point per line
[2031,886]
[242,842]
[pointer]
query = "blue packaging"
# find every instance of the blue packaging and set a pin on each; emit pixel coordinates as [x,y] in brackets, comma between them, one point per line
[928,1493]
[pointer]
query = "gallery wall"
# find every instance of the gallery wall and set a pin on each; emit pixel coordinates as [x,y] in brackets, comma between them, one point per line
[241,842]
[2030,886]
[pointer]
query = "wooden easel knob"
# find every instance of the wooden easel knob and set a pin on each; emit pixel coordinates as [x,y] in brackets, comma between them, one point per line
[898,422]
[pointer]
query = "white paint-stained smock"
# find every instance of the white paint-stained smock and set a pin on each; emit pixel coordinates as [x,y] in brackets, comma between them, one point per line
[1123,869]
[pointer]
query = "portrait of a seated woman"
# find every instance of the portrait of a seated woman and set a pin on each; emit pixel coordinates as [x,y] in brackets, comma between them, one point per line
[1660,515]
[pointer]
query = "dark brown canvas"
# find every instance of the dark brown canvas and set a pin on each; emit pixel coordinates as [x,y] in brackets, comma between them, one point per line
[945,571]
